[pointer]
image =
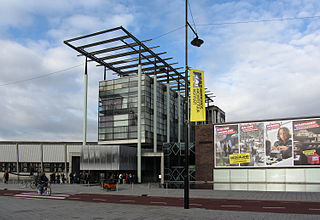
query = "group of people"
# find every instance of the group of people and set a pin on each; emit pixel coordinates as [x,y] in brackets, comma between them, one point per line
[82,178]
[123,178]
[57,178]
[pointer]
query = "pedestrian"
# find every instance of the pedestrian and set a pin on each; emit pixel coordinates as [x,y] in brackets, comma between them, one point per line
[71,178]
[81,178]
[58,178]
[52,178]
[6,177]
[120,178]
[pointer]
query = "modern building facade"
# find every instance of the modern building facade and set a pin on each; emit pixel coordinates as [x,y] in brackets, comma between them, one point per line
[118,112]
[24,158]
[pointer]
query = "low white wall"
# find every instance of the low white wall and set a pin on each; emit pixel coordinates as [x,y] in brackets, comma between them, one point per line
[282,179]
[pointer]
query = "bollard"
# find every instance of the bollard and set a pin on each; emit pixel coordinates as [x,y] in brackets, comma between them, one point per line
[117,187]
[148,187]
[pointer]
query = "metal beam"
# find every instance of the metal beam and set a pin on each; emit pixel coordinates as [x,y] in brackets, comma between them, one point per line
[135,65]
[89,55]
[103,42]
[156,56]
[114,48]
[94,34]
[130,60]
[122,54]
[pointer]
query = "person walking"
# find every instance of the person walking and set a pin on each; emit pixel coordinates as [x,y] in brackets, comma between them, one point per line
[6,177]
[71,178]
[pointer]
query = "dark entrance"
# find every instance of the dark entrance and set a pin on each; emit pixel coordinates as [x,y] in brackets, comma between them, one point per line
[151,169]
[75,164]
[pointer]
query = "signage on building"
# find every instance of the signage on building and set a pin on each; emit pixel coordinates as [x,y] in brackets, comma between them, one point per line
[282,143]
[197,96]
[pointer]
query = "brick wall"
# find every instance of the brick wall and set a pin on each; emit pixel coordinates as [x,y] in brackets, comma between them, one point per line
[204,154]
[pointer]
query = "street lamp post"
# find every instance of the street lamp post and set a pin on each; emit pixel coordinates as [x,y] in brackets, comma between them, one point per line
[186,134]
[195,42]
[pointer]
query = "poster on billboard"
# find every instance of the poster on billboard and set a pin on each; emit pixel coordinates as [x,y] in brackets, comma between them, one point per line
[252,142]
[227,143]
[306,135]
[278,142]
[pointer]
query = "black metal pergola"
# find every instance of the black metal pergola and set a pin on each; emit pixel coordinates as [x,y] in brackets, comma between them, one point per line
[118,50]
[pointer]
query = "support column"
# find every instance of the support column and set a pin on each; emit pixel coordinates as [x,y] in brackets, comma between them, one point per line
[65,161]
[179,118]
[168,113]
[155,124]
[85,96]
[162,168]
[41,157]
[17,150]
[139,126]
[105,74]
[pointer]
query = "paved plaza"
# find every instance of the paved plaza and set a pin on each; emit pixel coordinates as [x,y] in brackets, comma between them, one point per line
[33,207]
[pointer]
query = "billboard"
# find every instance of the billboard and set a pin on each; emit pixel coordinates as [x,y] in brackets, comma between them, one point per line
[278,143]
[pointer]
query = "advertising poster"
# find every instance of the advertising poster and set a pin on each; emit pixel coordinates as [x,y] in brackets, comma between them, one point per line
[252,142]
[306,135]
[278,143]
[227,143]
[197,100]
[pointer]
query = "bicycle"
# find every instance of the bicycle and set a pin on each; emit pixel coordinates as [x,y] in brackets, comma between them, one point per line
[34,184]
[24,184]
[44,189]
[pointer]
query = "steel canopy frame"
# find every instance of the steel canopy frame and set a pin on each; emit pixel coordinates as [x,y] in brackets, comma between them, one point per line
[118,50]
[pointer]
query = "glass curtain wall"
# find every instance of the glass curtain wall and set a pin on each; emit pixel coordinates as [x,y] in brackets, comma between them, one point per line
[118,107]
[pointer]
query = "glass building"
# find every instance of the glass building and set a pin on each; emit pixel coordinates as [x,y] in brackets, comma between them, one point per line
[118,109]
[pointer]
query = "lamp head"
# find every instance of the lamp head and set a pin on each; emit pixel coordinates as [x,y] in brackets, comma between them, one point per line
[197,42]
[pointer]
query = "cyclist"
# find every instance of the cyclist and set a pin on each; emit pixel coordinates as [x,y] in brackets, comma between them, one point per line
[43,183]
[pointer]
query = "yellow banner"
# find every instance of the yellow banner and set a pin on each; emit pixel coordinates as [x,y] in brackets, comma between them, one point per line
[197,100]
[239,158]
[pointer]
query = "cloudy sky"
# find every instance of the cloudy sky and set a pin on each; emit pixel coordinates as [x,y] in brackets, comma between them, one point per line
[259,61]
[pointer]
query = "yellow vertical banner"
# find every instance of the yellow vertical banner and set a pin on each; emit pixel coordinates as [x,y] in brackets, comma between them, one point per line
[197,100]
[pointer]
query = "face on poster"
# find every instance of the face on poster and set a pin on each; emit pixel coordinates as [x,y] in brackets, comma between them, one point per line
[226,140]
[278,143]
[252,141]
[306,135]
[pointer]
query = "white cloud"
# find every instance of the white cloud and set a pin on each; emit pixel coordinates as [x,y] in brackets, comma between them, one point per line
[256,70]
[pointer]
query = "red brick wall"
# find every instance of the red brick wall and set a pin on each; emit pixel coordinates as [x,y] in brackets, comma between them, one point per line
[204,154]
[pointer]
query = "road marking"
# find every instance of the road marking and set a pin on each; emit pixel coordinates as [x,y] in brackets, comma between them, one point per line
[127,201]
[39,196]
[231,206]
[8,194]
[164,203]
[311,209]
[73,198]
[273,207]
